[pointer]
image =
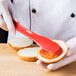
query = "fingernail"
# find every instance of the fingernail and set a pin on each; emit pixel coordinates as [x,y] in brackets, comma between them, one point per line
[50,67]
[38,62]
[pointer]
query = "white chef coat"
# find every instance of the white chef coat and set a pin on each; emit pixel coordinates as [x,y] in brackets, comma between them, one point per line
[52,18]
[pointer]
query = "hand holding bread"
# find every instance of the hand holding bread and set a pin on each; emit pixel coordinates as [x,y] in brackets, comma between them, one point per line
[69,58]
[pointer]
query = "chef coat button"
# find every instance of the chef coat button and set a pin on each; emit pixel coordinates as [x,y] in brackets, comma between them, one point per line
[72,15]
[34,10]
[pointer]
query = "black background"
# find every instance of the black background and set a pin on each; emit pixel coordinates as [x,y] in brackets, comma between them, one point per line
[3,36]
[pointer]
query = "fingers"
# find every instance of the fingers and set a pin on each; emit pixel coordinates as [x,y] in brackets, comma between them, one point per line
[13,12]
[7,17]
[57,65]
[63,62]
[9,22]
[2,24]
[41,64]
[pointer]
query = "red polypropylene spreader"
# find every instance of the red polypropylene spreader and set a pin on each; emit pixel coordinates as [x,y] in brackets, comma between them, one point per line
[43,42]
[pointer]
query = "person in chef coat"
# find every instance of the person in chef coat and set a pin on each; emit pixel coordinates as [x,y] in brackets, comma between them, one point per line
[54,19]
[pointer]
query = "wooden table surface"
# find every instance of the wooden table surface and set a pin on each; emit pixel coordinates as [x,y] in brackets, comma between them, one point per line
[11,65]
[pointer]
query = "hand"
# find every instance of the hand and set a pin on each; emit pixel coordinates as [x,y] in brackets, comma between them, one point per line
[69,58]
[7,15]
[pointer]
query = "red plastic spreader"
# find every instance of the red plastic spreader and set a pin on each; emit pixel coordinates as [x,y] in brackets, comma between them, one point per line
[43,42]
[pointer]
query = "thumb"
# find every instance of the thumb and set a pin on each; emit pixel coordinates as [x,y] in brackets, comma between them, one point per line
[70,52]
[2,24]
[72,46]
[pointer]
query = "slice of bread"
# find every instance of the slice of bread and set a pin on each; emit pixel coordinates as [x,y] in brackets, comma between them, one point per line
[28,54]
[20,43]
[46,55]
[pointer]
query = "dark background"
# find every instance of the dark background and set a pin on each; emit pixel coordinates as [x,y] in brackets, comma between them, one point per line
[3,36]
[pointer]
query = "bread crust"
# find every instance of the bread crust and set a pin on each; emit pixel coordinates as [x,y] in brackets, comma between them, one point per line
[20,39]
[54,60]
[24,58]
[18,48]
